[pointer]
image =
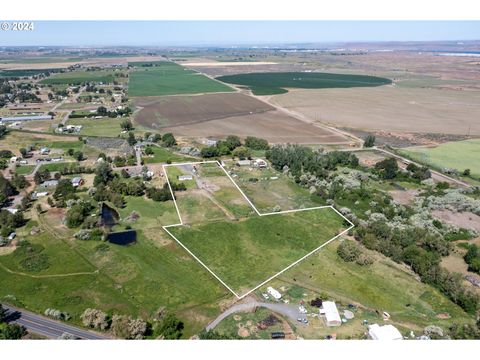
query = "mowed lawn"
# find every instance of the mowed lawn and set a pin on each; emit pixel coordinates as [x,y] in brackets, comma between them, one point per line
[168,78]
[79,77]
[276,82]
[246,253]
[458,155]
[162,155]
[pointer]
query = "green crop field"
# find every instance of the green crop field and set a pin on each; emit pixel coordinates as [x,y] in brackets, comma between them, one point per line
[245,253]
[79,77]
[277,82]
[24,72]
[168,78]
[458,155]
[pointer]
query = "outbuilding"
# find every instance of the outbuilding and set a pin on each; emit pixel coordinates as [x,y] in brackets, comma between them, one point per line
[274,293]
[385,332]
[77,181]
[330,311]
[243,163]
[49,183]
[185,177]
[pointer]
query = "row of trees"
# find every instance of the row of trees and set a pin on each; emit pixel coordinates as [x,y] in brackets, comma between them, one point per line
[300,159]
[125,327]
[232,145]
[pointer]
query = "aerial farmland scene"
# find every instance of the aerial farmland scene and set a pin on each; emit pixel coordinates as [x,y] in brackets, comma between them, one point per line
[315,188]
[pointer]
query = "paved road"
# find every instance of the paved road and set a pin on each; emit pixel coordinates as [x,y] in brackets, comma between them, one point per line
[435,174]
[290,311]
[47,327]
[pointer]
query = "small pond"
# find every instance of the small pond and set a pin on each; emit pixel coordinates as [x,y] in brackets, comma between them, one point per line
[109,216]
[123,237]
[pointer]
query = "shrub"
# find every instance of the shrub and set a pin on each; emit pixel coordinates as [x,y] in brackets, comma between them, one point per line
[95,319]
[348,251]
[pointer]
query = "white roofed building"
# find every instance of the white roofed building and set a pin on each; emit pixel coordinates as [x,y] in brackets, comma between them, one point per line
[385,332]
[274,293]
[330,311]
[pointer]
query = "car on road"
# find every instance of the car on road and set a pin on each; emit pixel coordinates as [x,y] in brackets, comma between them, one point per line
[302,320]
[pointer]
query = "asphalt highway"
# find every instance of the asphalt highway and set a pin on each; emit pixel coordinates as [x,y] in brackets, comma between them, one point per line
[47,327]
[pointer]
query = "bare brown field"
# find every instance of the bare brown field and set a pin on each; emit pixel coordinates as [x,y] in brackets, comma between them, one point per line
[389,108]
[274,126]
[165,111]
[466,220]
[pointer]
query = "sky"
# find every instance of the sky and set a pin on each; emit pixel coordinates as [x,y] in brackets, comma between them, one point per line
[192,33]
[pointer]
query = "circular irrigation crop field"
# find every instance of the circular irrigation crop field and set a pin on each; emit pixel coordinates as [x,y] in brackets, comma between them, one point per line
[271,83]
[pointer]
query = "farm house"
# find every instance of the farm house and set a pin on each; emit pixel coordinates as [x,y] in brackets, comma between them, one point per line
[260,163]
[330,311]
[386,332]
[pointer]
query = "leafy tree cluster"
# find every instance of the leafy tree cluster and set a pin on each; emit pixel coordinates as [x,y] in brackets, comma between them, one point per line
[369,141]
[9,222]
[169,140]
[64,191]
[170,327]
[420,173]
[6,190]
[349,251]
[422,251]
[10,331]
[232,145]
[121,326]
[387,169]
[102,111]
[77,214]
[3,132]
[159,194]
[255,143]
[77,155]
[41,175]
[121,161]
[472,258]
[301,159]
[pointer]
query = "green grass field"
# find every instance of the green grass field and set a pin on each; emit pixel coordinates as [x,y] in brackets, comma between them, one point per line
[382,286]
[168,78]
[79,77]
[55,166]
[458,155]
[24,169]
[135,280]
[152,213]
[267,193]
[107,127]
[245,253]
[162,155]
[276,83]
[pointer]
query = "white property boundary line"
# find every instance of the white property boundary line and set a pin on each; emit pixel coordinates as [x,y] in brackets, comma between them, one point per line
[258,213]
